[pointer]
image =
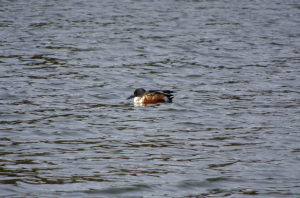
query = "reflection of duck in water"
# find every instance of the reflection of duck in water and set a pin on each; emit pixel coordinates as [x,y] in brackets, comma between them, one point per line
[140,95]
[146,104]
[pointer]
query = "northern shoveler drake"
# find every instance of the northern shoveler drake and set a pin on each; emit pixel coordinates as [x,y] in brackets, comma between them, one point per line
[140,95]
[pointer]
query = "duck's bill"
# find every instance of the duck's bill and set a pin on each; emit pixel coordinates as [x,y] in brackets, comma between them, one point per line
[132,96]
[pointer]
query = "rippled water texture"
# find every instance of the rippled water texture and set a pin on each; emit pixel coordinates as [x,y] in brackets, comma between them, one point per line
[68,66]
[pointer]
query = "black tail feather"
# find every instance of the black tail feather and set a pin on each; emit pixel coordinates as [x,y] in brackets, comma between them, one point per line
[169,96]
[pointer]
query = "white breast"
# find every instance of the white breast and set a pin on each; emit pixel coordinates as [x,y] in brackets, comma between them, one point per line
[137,100]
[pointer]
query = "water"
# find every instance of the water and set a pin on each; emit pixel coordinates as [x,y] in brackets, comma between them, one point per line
[68,66]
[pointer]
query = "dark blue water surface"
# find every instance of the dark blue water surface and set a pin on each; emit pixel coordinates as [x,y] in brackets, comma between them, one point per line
[66,68]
